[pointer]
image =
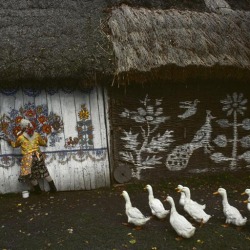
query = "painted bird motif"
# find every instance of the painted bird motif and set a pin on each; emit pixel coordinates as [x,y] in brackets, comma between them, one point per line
[179,157]
[191,108]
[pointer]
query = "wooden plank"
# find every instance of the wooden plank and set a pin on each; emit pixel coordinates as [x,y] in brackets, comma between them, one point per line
[97,107]
[3,186]
[20,100]
[68,115]
[103,113]
[108,139]
[54,105]
[81,173]
[11,174]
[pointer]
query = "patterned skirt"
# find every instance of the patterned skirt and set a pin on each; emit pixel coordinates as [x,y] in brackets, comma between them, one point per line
[37,168]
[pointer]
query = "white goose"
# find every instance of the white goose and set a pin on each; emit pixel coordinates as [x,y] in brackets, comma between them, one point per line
[183,196]
[156,206]
[134,214]
[179,223]
[247,191]
[232,214]
[195,210]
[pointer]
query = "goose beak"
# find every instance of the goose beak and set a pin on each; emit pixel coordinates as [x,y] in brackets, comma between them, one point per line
[178,190]
[216,192]
[246,201]
[243,193]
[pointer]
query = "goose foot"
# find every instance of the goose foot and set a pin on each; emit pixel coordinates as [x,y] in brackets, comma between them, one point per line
[178,238]
[202,223]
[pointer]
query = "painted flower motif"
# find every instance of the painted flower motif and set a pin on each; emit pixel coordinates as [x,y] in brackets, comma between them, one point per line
[16,130]
[76,140]
[46,129]
[56,125]
[18,119]
[34,124]
[234,103]
[30,113]
[56,122]
[39,109]
[90,128]
[90,142]
[125,113]
[149,115]
[42,119]
[83,114]
[38,116]
[4,126]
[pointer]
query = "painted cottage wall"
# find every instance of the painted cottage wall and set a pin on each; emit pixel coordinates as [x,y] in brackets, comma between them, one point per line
[73,120]
[172,129]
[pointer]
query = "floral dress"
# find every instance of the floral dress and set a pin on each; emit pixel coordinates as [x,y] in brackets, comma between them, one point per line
[32,163]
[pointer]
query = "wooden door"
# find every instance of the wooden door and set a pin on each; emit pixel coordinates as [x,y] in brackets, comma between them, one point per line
[74,122]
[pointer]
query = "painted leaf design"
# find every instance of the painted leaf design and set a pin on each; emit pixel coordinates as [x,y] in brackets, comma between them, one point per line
[131,140]
[245,156]
[221,141]
[160,142]
[245,141]
[218,157]
[246,124]
[224,123]
[150,161]
[127,156]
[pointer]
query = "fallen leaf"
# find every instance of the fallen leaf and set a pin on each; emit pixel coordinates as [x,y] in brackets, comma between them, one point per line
[200,241]
[133,241]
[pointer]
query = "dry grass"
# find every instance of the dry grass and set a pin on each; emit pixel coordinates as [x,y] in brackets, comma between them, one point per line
[145,39]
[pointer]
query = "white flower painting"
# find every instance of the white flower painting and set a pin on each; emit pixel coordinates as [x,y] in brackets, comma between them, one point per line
[142,153]
[234,105]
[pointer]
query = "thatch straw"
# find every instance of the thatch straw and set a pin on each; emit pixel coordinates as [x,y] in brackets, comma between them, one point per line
[146,39]
[52,40]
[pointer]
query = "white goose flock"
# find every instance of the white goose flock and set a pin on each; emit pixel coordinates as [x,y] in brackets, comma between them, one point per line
[182,226]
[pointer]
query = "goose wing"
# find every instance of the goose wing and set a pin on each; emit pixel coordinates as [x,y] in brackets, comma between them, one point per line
[135,213]
[156,205]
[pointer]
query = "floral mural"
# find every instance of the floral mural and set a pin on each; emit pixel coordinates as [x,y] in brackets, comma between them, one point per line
[234,105]
[84,129]
[145,148]
[143,153]
[47,124]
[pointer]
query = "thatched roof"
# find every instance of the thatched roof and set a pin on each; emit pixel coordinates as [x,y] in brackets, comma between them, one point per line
[87,41]
[52,40]
[181,43]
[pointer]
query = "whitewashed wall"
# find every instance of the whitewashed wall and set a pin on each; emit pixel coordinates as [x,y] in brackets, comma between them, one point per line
[75,167]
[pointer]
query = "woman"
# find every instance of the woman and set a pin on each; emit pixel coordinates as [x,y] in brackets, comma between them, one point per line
[32,163]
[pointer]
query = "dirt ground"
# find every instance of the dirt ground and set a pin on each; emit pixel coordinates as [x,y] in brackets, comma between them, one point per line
[93,219]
